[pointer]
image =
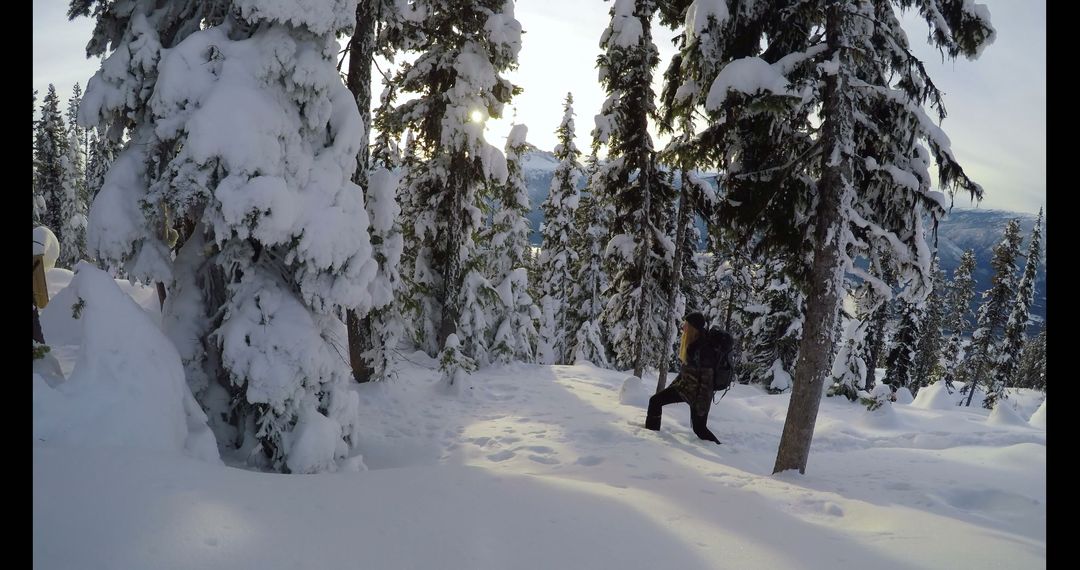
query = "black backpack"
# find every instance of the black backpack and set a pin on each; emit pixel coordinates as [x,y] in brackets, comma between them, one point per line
[716,354]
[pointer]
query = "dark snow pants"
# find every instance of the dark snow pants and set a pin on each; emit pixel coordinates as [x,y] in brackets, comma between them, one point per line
[670,395]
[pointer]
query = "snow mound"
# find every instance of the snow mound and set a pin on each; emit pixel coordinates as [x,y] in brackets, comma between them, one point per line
[935,397]
[884,417]
[127,388]
[633,393]
[1038,419]
[316,443]
[1004,414]
[903,396]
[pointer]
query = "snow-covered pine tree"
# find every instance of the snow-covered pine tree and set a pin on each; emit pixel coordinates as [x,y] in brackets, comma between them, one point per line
[877,303]
[276,240]
[587,299]
[686,290]
[50,147]
[130,37]
[875,343]
[849,369]
[102,153]
[384,323]
[719,274]
[928,367]
[1032,372]
[76,133]
[515,317]
[692,279]
[413,276]
[771,343]
[825,194]
[463,47]
[695,63]
[928,364]
[960,294]
[993,316]
[674,306]
[557,256]
[729,282]
[73,184]
[367,357]
[639,252]
[900,363]
[39,200]
[1008,361]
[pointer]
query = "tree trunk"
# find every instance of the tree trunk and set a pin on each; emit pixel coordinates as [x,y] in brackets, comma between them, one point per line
[826,275]
[681,219]
[361,50]
[359,342]
[974,383]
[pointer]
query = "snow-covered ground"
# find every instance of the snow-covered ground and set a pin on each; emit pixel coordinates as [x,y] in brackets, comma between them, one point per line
[539,467]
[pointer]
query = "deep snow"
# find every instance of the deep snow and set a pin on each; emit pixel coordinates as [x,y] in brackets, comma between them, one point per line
[529,466]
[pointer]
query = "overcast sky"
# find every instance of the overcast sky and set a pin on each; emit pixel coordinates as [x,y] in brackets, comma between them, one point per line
[996,104]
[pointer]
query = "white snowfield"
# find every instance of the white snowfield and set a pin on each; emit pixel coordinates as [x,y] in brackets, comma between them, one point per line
[542,467]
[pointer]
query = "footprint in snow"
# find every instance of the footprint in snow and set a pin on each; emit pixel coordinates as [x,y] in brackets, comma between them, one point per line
[501,456]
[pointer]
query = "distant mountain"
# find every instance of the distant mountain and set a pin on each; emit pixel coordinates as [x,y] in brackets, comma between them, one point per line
[962,229]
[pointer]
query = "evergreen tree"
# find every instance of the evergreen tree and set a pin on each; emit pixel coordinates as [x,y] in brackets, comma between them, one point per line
[993,317]
[102,153]
[675,304]
[877,304]
[900,363]
[1008,362]
[850,368]
[414,276]
[79,136]
[366,356]
[875,343]
[557,256]
[39,200]
[639,253]
[692,272]
[825,194]
[730,284]
[275,242]
[73,183]
[384,325]
[462,46]
[960,294]
[1032,372]
[514,325]
[587,298]
[771,342]
[50,147]
[928,362]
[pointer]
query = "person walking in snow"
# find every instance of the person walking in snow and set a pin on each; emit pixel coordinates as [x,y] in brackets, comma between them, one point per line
[694,385]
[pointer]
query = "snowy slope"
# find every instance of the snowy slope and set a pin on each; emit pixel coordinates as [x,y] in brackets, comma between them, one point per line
[537,467]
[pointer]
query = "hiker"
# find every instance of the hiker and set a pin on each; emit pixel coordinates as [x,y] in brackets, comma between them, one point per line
[694,385]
